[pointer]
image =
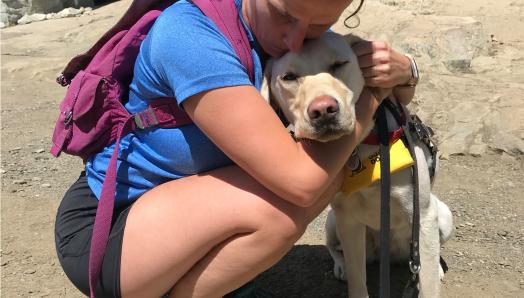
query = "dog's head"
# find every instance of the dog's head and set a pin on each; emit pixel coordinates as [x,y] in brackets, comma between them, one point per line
[318,87]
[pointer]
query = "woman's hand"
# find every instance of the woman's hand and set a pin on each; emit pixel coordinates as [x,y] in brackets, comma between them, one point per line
[382,66]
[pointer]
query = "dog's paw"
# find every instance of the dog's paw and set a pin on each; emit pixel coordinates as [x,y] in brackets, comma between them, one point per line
[339,271]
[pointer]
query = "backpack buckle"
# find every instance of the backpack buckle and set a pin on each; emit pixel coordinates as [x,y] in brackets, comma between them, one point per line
[145,119]
[68,117]
[62,80]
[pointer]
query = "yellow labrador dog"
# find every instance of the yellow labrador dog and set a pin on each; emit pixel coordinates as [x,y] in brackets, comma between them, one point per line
[316,90]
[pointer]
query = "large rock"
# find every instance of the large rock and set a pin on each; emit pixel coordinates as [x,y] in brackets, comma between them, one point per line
[13,10]
[471,84]
[4,17]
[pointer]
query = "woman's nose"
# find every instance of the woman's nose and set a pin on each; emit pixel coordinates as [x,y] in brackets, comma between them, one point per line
[295,36]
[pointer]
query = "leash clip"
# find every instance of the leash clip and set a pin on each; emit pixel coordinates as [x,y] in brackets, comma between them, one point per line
[423,133]
[414,268]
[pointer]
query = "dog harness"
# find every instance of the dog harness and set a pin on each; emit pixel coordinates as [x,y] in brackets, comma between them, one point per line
[363,171]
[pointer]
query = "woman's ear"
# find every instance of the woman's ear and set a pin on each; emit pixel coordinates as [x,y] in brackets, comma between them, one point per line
[265,90]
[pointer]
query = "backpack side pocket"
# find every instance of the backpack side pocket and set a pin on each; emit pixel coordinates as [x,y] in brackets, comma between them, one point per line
[84,124]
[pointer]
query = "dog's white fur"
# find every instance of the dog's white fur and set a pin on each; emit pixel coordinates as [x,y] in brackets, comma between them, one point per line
[328,67]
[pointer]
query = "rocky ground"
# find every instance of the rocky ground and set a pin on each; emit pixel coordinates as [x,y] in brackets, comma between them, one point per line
[471,57]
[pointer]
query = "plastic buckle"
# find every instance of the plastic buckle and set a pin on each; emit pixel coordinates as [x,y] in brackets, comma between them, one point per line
[138,122]
[145,119]
[68,117]
[62,80]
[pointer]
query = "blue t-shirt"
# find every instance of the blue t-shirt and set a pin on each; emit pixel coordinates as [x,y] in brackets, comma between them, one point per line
[183,54]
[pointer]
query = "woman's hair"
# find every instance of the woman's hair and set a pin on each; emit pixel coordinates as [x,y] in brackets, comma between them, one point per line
[354,14]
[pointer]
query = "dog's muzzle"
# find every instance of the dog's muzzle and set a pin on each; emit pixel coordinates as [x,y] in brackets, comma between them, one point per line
[324,113]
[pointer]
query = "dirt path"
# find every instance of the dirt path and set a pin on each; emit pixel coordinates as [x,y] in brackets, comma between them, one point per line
[485,193]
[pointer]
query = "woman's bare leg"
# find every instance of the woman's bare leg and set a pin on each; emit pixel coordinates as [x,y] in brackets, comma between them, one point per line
[207,235]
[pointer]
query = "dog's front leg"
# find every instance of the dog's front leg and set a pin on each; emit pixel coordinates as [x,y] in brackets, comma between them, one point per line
[352,234]
[334,248]
[429,253]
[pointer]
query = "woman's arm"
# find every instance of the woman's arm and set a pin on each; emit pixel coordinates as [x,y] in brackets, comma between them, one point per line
[404,94]
[243,125]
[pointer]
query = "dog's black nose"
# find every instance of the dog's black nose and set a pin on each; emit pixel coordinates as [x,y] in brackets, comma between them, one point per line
[323,107]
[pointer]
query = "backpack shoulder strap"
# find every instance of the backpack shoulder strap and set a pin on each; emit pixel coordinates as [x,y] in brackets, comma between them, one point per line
[225,15]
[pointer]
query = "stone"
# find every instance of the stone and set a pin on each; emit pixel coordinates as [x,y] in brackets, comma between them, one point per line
[24,20]
[68,12]
[11,11]
[4,15]
[460,65]
[37,17]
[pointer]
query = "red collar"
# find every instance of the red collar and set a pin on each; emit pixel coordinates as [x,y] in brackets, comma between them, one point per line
[372,138]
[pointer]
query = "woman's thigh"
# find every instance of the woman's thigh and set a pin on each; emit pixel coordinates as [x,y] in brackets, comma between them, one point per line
[176,224]
[73,231]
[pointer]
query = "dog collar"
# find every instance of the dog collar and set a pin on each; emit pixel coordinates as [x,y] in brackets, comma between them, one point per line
[400,116]
[372,138]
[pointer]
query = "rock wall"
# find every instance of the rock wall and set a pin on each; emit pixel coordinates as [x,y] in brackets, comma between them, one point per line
[13,10]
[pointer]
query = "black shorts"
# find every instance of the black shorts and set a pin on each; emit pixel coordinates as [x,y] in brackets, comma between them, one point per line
[73,230]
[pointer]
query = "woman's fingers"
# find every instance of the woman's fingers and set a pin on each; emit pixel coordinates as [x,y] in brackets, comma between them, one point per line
[382,66]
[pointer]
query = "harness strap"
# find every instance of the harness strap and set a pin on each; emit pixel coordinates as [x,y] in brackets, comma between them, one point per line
[385,189]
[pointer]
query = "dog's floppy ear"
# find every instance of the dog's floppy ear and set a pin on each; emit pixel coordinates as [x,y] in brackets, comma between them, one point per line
[265,89]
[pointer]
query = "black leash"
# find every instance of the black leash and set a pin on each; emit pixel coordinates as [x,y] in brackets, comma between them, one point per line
[385,188]
[411,289]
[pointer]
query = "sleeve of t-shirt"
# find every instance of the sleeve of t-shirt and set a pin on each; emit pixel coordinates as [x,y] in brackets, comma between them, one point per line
[191,55]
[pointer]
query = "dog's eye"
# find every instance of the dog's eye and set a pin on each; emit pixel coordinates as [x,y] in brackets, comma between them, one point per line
[335,66]
[289,76]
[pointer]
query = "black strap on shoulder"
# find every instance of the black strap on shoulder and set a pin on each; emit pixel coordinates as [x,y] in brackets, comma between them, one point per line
[385,188]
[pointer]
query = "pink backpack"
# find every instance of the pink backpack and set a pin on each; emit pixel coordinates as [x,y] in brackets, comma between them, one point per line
[92,113]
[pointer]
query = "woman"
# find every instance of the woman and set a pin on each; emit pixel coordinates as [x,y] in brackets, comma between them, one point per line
[204,208]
